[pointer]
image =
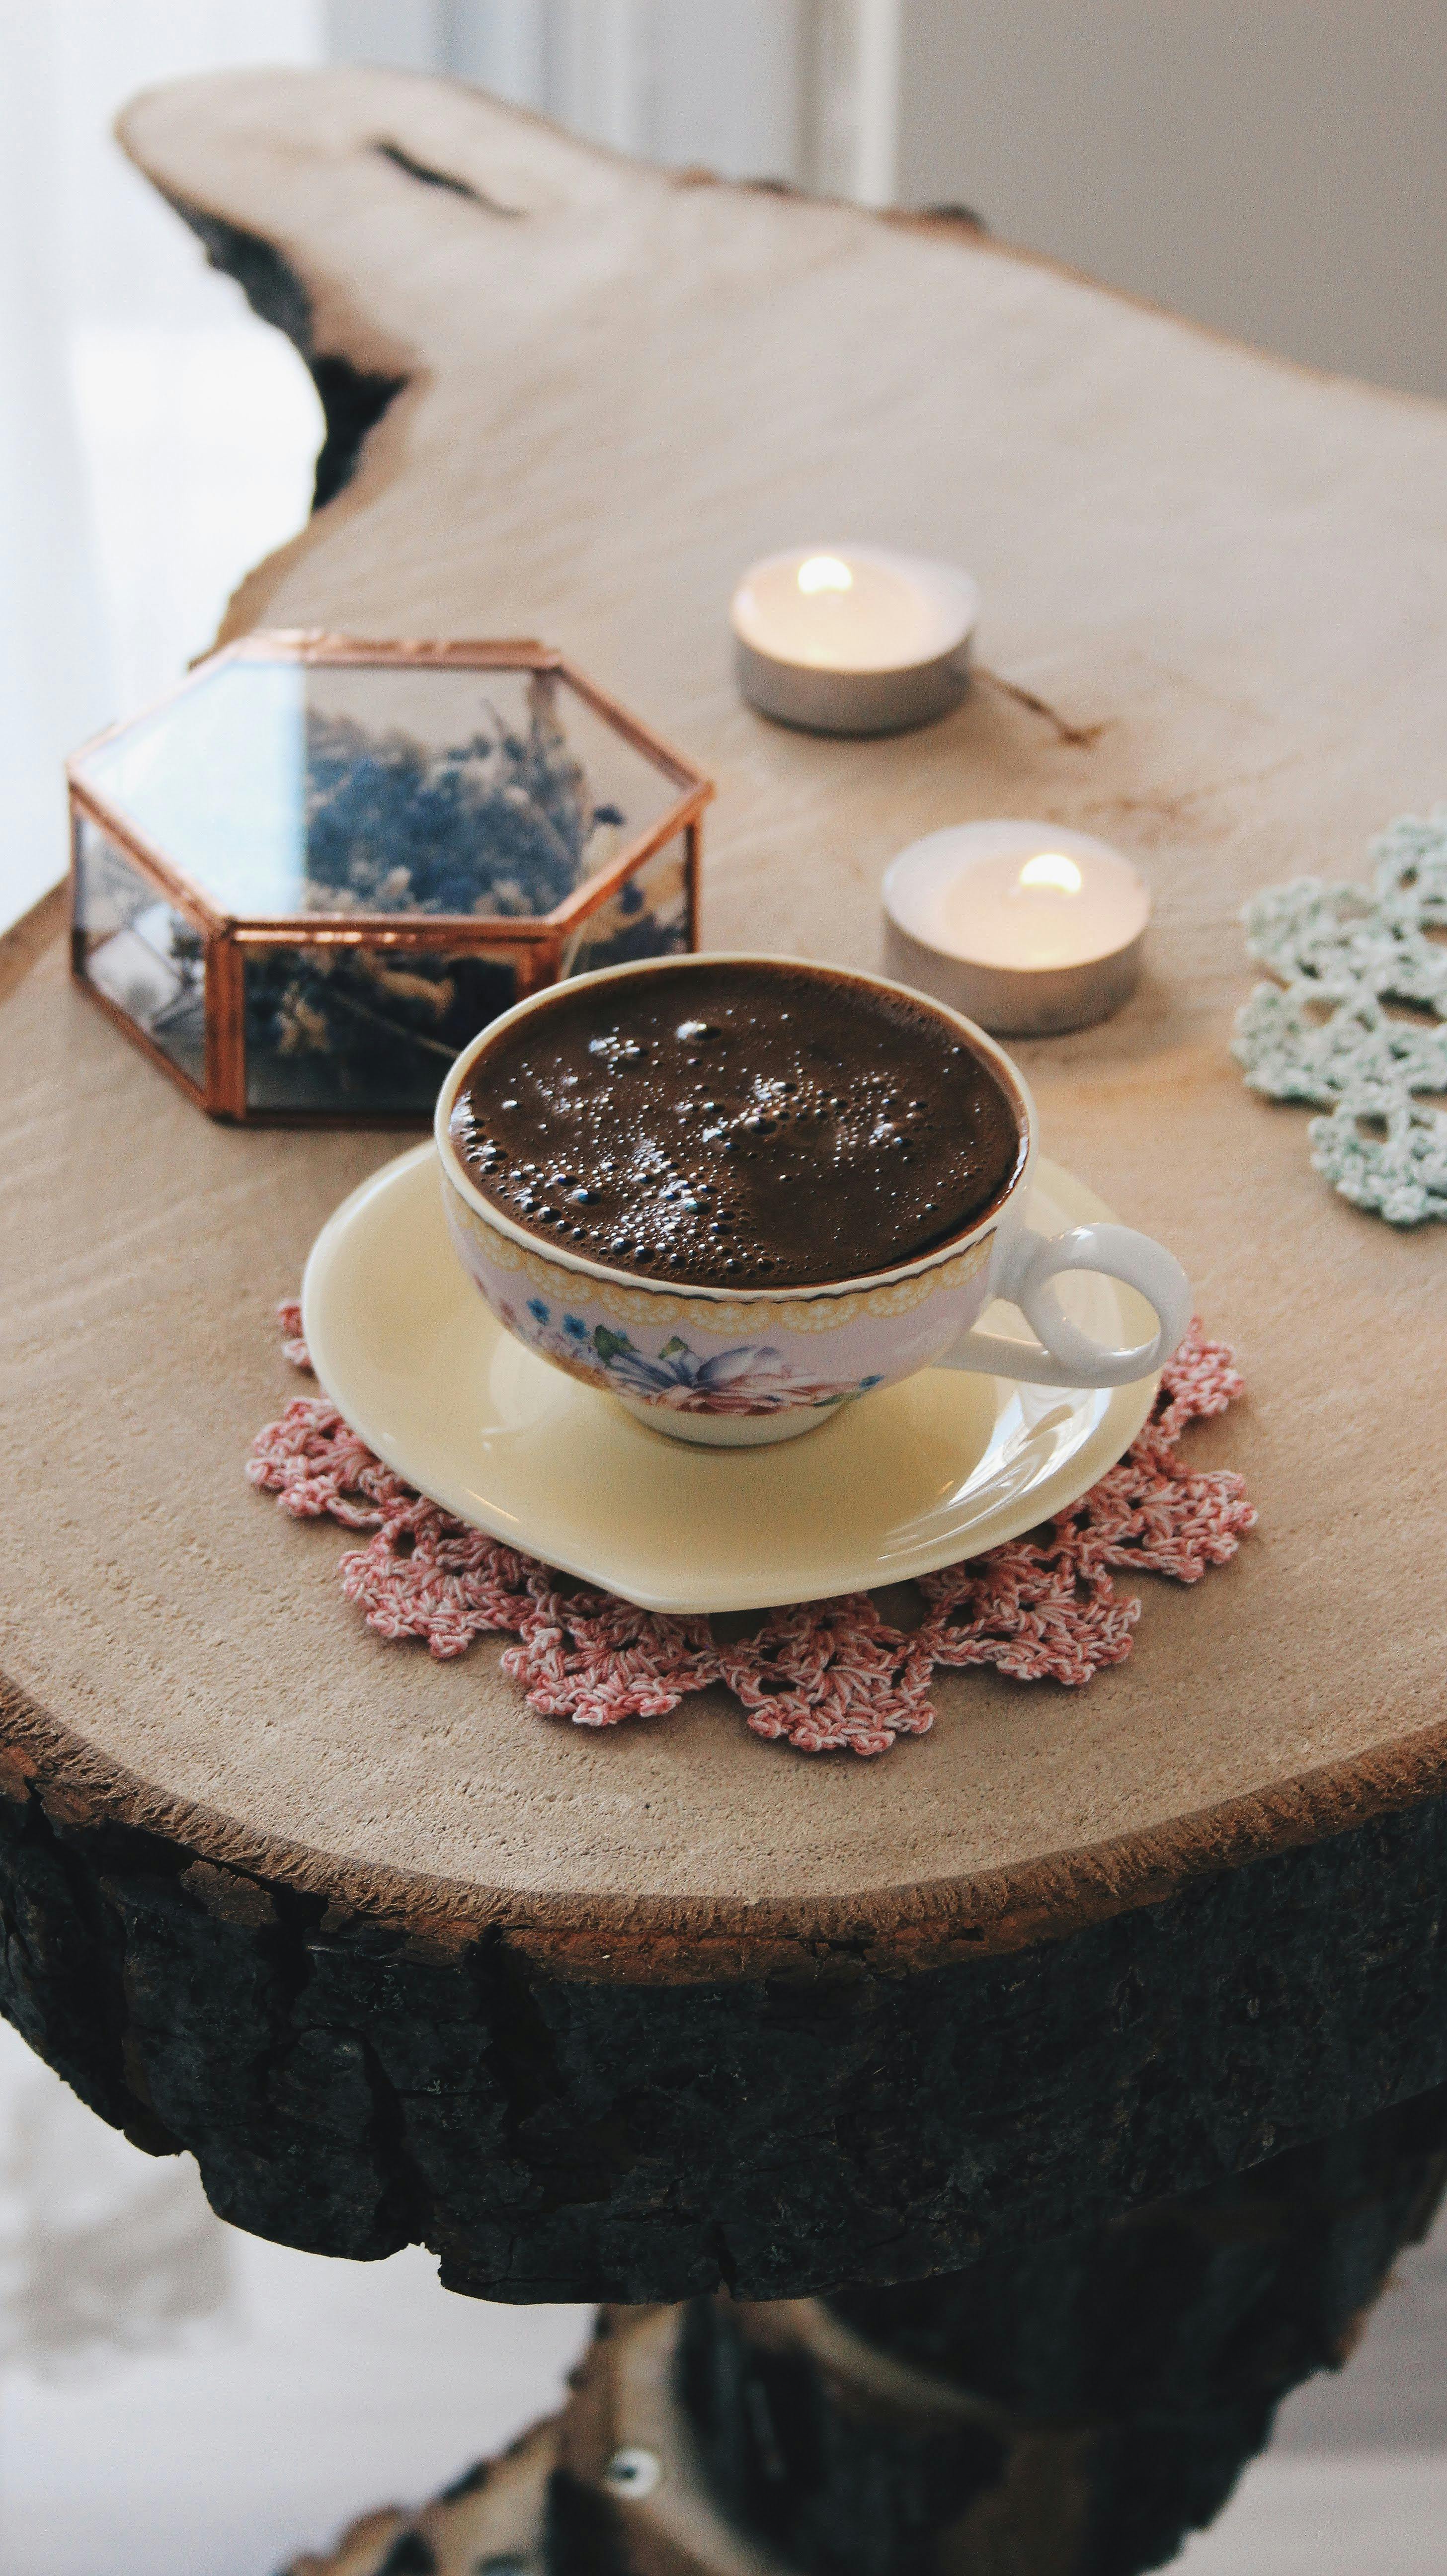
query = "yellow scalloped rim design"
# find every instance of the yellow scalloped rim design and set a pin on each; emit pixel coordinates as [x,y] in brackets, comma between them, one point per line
[662,1306]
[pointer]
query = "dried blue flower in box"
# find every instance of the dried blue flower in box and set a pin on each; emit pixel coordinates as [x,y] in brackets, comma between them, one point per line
[313,873]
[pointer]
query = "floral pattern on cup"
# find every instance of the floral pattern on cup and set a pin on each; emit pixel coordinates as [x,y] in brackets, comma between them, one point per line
[752,1377]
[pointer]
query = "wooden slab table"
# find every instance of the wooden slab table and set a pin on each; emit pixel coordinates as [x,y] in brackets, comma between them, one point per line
[636,2016]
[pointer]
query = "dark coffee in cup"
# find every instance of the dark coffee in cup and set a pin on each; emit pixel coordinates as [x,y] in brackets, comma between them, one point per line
[748,1125]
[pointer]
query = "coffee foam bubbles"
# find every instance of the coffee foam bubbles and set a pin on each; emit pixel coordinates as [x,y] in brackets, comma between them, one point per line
[737,1126]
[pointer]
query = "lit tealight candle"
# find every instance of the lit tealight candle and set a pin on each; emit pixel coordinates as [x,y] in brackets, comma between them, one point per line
[853,639]
[1024,927]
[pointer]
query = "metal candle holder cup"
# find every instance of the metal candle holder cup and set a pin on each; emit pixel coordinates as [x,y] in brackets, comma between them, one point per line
[853,639]
[1026,928]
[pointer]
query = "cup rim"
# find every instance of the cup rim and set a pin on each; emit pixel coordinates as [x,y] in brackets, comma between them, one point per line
[608,1274]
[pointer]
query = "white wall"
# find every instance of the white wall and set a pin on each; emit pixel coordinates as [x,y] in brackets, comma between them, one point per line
[1277,168]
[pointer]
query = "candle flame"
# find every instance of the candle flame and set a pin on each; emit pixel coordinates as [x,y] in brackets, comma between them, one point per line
[1052,868]
[825,572]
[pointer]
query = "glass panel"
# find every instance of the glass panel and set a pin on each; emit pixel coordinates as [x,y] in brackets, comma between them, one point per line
[286,787]
[647,917]
[364,1029]
[143,955]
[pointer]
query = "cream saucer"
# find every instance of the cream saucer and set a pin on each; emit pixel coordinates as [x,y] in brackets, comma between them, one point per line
[894,1484]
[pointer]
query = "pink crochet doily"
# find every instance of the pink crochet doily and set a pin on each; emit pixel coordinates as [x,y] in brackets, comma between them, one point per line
[825,1674]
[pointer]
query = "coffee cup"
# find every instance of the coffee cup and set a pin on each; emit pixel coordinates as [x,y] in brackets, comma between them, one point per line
[727,1367]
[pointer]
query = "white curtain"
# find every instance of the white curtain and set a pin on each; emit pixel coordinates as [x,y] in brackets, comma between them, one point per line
[154,438]
[801,90]
[55,680]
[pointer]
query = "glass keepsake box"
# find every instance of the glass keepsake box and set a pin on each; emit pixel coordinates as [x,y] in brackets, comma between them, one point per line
[320,866]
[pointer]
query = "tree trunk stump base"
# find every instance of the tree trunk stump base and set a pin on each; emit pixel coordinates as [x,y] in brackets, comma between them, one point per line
[1079,2409]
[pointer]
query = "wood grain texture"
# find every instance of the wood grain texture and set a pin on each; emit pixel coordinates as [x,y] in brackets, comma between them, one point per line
[1225,577]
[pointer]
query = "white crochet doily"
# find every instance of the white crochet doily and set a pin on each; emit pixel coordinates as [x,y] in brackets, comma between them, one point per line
[1354,1025]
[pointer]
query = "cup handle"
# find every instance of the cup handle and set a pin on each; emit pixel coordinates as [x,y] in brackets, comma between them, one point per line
[1064,1354]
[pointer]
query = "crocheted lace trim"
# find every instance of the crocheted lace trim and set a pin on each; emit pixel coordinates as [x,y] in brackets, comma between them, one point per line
[1353,1025]
[825,1675]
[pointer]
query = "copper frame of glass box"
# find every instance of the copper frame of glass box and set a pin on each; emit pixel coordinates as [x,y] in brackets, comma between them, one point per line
[538,947]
